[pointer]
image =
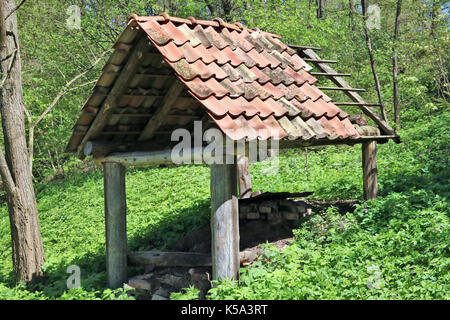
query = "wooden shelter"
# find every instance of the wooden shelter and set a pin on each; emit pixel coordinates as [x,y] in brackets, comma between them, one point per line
[168,73]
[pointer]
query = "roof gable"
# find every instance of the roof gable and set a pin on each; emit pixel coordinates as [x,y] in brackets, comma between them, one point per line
[249,82]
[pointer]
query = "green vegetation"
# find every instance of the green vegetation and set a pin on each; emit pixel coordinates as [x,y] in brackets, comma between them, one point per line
[402,238]
[405,232]
[396,247]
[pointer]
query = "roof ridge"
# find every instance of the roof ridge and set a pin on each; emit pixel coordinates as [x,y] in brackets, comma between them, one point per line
[215,23]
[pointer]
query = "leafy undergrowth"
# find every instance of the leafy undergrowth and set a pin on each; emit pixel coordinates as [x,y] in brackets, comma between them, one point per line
[395,248]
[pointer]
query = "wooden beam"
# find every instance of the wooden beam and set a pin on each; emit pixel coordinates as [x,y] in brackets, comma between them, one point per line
[341,89]
[357,104]
[145,75]
[185,259]
[245,181]
[303,47]
[164,156]
[101,148]
[133,115]
[339,81]
[319,60]
[114,96]
[224,221]
[157,157]
[116,225]
[331,74]
[158,117]
[104,133]
[370,172]
[169,259]
[141,96]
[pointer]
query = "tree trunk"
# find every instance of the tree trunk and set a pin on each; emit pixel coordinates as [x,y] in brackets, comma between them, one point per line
[319,9]
[434,13]
[395,67]
[365,5]
[27,248]
[352,15]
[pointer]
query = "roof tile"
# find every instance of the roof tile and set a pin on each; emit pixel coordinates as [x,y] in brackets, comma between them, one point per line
[170,51]
[214,38]
[200,33]
[239,40]
[190,35]
[249,82]
[176,35]
[203,89]
[155,32]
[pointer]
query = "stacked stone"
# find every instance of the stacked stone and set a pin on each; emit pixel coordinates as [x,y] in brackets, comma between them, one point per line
[274,210]
[159,283]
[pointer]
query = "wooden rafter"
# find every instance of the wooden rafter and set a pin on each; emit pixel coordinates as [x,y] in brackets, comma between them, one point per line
[160,114]
[318,60]
[341,89]
[113,99]
[357,104]
[325,74]
[304,47]
[340,82]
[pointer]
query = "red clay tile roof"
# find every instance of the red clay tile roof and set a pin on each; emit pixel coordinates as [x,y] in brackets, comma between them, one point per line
[249,82]
[247,79]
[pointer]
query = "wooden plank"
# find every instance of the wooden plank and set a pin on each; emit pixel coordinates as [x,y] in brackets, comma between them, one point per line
[341,89]
[245,181]
[357,104]
[224,221]
[114,96]
[313,60]
[145,75]
[303,47]
[339,81]
[157,157]
[133,115]
[184,259]
[158,117]
[169,259]
[370,172]
[141,96]
[116,224]
[331,74]
[105,133]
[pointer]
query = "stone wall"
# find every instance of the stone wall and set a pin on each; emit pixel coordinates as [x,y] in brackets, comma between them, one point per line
[274,210]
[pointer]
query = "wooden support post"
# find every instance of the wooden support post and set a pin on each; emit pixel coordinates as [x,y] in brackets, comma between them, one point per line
[370,172]
[245,181]
[116,226]
[224,221]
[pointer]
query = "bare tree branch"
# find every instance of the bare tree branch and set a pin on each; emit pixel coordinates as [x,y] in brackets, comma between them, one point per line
[364,5]
[64,90]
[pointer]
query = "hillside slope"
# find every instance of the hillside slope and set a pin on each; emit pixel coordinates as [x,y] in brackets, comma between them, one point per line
[405,233]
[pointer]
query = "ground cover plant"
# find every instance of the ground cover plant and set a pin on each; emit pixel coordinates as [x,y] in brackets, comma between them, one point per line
[394,247]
